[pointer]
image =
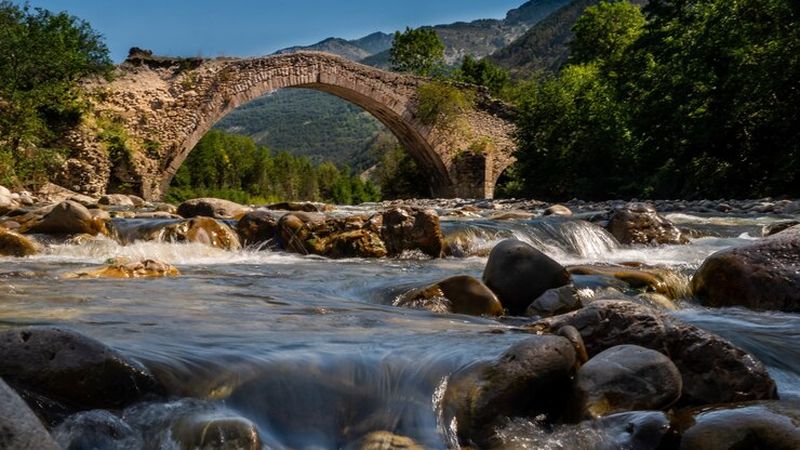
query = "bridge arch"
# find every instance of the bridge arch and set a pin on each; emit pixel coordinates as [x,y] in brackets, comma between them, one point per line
[167,105]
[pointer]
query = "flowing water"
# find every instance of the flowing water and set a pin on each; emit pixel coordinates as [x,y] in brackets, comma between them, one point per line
[311,350]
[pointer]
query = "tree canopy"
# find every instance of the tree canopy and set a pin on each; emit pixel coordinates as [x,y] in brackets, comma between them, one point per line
[43,55]
[419,51]
[697,98]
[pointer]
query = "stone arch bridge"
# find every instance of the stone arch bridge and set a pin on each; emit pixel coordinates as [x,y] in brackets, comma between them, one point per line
[150,116]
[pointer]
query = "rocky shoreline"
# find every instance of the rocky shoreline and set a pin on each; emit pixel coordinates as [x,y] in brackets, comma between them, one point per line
[611,361]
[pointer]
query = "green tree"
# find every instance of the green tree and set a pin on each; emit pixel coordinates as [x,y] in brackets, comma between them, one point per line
[42,57]
[419,51]
[483,73]
[604,33]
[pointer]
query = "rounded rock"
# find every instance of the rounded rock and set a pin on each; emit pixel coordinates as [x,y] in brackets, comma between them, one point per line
[519,273]
[626,378]
[459,295]
[216,208]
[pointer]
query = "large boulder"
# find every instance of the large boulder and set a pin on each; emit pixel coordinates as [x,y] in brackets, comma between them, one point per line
[65,218]
[257,227]
[200,230]
[626,378]
[346,237]
[71,369]
[530,378]
[14,244]
[216,208]
[766,425]
[712,369]
[407,228]
[519,273]
[461,294]
[20,429]
[639,223]
[764,275]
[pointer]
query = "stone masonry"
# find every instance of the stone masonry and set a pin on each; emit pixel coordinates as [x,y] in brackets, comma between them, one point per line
[153,112]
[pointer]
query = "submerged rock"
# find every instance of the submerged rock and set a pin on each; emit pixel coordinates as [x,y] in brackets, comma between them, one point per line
[96,430]
[712,369]
[518,274]
[211,432]
[650,279]
[72,369]
[65,218]
[764,275]
[215,208]
[384,440]
[639,223]
[530,378]
[626,378]
[14,244]
[765,425]
[20,429]
[147,268]
[459,295]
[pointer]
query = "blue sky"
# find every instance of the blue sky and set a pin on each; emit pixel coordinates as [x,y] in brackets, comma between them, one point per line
[252,27]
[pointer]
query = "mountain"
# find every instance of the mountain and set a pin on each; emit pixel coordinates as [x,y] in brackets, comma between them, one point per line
[325,127]
[544,47]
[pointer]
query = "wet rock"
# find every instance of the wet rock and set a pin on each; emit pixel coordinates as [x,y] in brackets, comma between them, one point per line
[626,378]
[257,227]
[165,207]
[67,217]
[300,207]
[384,440]
[14,244]
[511,215]
[555,301]
[558,210]
[641,430]
[518,274]
[72,369]
[138,202]
[712,369]
[53,193]
[20,429]
[764,275]
[777,227]
[211,432]
[744,426]
[412,229]
[96,430]
[530,378]
[156,215]
[650,279]
[348,237]
[215,208]
[115,200]
[639,223]
[147,268]
[100,215]
[200,230]
[459,295]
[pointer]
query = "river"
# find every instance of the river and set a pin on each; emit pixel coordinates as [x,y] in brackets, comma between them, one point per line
[325,354]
